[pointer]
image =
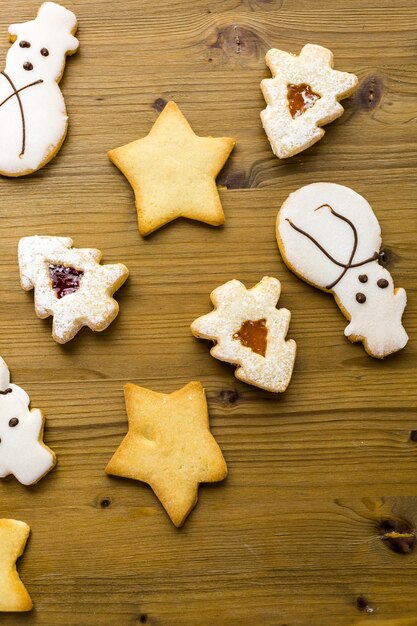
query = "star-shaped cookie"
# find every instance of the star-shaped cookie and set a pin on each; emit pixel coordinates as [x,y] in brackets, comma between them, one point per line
[69,284]
[13,594]
[250,332]
[173,172]
[302,95]
[169,446]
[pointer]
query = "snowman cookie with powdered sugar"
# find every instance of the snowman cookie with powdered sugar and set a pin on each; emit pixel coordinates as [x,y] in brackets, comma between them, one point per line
[22,450]
[33,118]
[330,237]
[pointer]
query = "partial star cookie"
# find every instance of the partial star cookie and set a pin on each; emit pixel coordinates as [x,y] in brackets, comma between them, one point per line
[22,450]
[169,446]
[302,95]
[69,284]
[173,172]
[13,594]
[249,331]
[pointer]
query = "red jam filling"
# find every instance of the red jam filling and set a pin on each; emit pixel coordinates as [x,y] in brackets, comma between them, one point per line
[65,280]
[300,98]
[253,335]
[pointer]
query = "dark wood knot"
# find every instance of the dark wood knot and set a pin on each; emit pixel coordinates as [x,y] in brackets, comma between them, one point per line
[229,396]
[234,180]
[413,436]
[105,503]
[143,618]
[387,257]
[370,93]
[363,605]
[397,534]
[159,104]
[239,40]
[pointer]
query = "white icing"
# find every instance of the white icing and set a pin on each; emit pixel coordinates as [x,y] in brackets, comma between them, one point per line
[377,321]
[91,305]
[314,67]
[235,305]
[22,451]
[43,104]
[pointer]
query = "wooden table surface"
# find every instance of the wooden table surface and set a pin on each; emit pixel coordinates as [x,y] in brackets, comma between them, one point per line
[294,536]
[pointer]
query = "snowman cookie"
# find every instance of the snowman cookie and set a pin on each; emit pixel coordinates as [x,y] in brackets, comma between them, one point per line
[69,284]
[249,331]
[330,237]
[33,119]
[302,95]
[22,450]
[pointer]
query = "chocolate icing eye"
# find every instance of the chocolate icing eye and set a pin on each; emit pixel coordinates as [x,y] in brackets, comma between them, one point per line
[13,422]
[361,298]
[45,52]
[382,283]
[24,44]
[27,66]
[363,278]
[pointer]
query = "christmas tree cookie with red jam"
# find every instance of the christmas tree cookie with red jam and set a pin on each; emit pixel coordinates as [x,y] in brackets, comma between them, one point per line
[70,284]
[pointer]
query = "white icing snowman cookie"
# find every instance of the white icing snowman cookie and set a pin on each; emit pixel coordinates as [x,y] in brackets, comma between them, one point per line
[249,331]
[33,119]
[70,284]
[22,450]
[302,95]
[330,237]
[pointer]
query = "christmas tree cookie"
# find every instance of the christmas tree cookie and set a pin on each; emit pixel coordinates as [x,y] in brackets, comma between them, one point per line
[33,119]
[69,284]
[330,237]
[302,95]
[249,331]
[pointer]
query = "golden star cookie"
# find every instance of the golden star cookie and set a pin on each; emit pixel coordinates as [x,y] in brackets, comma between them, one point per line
[249,331]
[169,446]
[13,594]
[69,284]
[22,450]
[330,237]
[302,95]
[173,172]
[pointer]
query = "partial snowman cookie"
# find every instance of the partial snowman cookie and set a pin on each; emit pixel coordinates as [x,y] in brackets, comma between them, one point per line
[22,450]
[169,446]
[329,236]
[33,119]
[173,172]
[302,95]
[69,284]
[249,331]
[13,538]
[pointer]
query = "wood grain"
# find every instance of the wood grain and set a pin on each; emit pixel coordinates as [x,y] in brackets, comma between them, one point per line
[296,535]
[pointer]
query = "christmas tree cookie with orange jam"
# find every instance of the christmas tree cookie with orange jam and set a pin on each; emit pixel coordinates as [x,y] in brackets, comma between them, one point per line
[249,331]
[302,95]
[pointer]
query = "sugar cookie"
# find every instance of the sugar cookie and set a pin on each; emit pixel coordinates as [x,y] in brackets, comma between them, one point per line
[22,450]
[250,332]
[329,236]
[169,446]
[69,284]
[173,172]
[302,95]
[33,119]
[13,538]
